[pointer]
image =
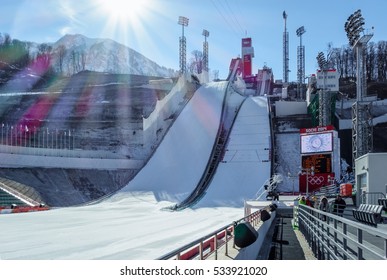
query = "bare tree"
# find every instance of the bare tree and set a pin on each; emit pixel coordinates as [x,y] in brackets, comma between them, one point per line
[216,74]
[83,61]
[76,62]
[61,56]
[196,62]
[382,60]
[370,62]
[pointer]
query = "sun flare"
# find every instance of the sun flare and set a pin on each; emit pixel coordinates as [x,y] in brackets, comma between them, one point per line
[124,11]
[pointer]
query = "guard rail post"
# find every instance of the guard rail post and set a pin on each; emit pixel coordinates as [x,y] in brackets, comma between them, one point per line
[226,238]
[216,246]
[360,240]
[201,250]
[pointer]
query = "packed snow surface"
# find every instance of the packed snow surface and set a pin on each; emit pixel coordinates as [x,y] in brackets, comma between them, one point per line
[131,224]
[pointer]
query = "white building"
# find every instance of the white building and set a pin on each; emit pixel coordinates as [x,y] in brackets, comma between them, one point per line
[371,177]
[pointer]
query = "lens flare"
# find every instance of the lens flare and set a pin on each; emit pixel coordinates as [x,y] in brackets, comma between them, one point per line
[124,12]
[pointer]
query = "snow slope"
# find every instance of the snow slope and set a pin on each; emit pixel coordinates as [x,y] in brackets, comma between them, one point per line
[176,167]
[246,164]
[131,224]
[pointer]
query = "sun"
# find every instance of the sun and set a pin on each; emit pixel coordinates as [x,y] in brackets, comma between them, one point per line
[124,11]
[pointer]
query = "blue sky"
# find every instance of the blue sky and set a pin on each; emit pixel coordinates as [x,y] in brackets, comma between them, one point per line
[150,26]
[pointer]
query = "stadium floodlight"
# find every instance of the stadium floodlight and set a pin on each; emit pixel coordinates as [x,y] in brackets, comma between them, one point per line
[300,63]
[300,31]
[183,21]
[361,120]
[324,108]
[205,33]
[354,26]
[322,62]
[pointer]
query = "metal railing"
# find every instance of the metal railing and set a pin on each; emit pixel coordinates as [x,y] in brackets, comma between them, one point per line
[210,244]
[334,237]
[328,191]
[371,197]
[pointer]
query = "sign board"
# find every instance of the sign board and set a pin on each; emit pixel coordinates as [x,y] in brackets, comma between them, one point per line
[316,143]
[328,80]
[315,181]
[322,163]
[317,129]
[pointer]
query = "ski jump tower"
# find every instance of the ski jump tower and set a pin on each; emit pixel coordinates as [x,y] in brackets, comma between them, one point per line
[285,51]
[247,56]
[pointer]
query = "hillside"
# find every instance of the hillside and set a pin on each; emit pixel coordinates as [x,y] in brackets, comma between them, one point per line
[74,53]
[27,66]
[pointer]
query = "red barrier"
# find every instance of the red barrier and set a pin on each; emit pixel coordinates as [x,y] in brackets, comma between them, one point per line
[208,244]
[22,209]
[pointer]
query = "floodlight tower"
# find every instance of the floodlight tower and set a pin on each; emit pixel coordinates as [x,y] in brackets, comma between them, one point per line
[183,21]
[361,116]
[285,51]
[205,50]
[300,62]
[323,98]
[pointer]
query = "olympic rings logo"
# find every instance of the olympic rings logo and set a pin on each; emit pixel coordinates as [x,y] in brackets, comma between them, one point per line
[316,180]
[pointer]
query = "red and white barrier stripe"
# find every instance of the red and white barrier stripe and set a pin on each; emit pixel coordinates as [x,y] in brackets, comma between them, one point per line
[22,209]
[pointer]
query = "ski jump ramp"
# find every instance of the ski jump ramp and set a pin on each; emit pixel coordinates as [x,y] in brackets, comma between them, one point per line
[131,223]
[179,162]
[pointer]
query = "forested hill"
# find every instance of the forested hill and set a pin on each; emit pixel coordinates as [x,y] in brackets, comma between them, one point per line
[70,55]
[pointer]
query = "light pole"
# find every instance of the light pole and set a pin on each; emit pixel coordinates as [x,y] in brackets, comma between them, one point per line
[183,21]
[331,180]
[290,176]
[307,172]
[205,33]
[324,109]
[361,115]
[300,63]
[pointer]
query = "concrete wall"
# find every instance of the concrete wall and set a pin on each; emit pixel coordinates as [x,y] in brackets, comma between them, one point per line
[33,161]
[60,187]
[251,252]
[160,119]
[287,108]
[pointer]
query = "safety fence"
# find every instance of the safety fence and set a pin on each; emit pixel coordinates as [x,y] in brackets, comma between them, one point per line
[334,237]
[371,197]
[223,239]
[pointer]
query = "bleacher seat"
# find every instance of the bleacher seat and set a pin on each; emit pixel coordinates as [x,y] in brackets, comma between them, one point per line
[368,214]
[383,202]
[7,199]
